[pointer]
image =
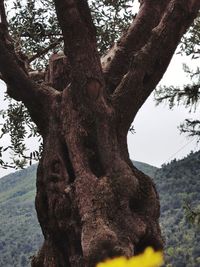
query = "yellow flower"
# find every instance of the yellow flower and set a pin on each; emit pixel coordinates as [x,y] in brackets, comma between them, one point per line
[149,258]
[117,262]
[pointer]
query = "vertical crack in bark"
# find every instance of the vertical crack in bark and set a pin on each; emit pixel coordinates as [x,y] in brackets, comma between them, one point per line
[92,151]
[69,166]
[55,202]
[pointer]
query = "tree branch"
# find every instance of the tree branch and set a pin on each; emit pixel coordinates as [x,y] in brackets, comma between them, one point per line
[151,62]
[3,20]
[117,61]
[79,40]
[21,88]
[11,68]
[4,35]
[14,73]
[46,50]
[37,75]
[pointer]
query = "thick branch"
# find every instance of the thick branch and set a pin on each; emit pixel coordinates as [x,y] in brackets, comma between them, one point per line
[80,41]
[4,35]
[21,88]
[19,85]
[11,68]
[3,14]
[37,76]
[151,62]
[117,61]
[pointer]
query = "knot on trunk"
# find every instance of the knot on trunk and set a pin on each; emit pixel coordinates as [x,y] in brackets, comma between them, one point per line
[93,89]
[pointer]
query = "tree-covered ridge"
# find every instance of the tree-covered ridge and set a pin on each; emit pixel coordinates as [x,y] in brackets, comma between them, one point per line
[20,234]
[177,182]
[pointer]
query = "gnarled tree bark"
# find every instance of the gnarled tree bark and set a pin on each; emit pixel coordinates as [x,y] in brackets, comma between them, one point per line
[91,202]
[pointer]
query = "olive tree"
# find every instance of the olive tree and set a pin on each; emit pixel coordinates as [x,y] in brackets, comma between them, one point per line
[91,202]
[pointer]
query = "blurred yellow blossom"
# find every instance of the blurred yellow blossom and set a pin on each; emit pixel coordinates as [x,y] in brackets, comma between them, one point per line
[149,258]
[117,262]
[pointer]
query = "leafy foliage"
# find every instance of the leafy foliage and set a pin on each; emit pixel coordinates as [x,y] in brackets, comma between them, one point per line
[188,95]
[190,43]
[111,19]
[191,128]
[18,125]
[192,213]
[34,27]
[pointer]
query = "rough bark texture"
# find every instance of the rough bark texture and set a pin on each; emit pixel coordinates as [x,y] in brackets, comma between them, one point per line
[91,202]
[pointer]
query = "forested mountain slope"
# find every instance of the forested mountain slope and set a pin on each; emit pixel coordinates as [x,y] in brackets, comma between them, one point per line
[179,183]
[20,235]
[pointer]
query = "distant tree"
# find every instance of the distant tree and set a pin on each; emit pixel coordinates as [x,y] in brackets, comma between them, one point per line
[192,213]
[91,202]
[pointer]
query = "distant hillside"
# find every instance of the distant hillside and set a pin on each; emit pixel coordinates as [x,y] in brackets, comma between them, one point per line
[146,168]
[177,183]
[20,235]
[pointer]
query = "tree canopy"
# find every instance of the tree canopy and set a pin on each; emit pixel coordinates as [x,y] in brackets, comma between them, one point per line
[36,34]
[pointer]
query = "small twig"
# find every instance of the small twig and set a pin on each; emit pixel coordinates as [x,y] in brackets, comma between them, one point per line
[43,52]
[37,75]
[5,166]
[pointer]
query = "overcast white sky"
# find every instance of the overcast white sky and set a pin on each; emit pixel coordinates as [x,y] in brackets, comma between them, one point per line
[157,139]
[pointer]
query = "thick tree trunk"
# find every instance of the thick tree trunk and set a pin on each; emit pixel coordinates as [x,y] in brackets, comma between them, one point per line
[91,202]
